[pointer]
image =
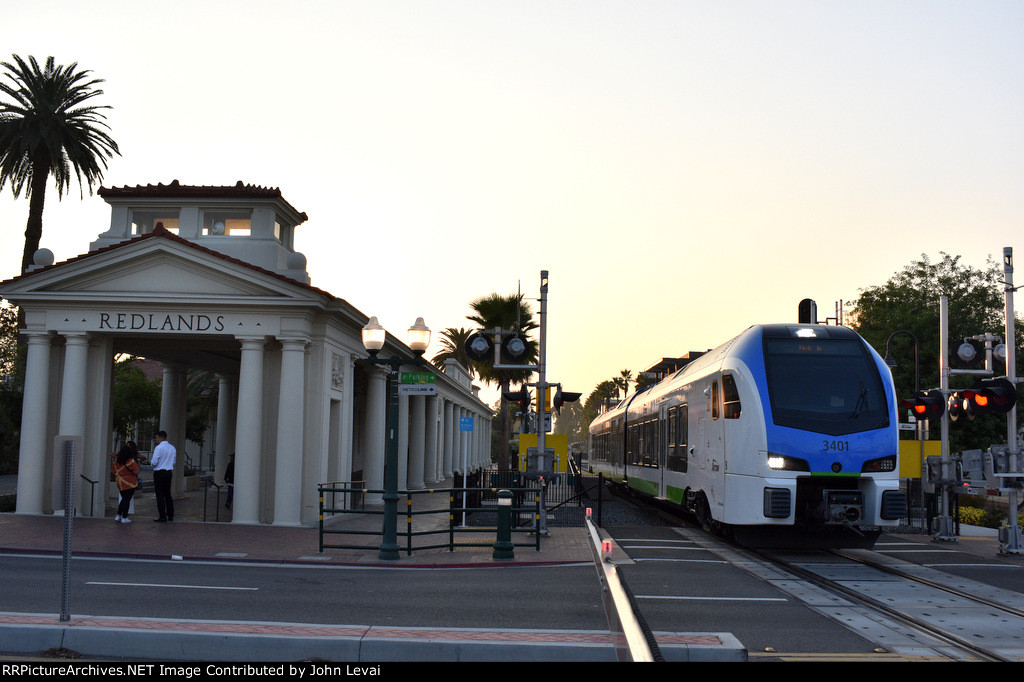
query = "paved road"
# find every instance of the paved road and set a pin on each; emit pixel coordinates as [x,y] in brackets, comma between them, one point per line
[548,597]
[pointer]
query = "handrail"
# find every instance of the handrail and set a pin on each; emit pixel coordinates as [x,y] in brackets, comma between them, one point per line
[207,482]
[92,491]
[633,640]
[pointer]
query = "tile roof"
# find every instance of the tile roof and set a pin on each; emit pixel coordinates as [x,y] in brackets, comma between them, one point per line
[163,233]
[176,190]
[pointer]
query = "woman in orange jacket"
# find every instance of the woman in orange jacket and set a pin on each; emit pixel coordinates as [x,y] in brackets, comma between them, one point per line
[126,475]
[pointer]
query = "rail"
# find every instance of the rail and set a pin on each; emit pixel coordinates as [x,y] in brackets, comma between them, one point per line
[447,526]
[633,639]
[207,483]
[352,494]
[92,490]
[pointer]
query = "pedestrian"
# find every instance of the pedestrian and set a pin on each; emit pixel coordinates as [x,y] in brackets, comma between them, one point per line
[162,460]
[229,478]
[125,468]
[138,488]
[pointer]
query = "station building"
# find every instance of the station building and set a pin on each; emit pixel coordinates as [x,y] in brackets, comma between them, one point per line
[207,278]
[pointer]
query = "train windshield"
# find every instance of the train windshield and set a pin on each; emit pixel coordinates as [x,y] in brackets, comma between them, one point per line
[824,385]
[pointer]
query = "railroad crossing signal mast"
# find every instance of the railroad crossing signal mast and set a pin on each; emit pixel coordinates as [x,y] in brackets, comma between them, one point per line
[995,395]
[512,348]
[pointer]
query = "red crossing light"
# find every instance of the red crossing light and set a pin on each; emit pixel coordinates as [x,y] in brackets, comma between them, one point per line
[927,404]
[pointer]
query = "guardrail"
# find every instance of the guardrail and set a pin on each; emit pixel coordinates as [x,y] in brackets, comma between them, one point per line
[633,640]
[447,526]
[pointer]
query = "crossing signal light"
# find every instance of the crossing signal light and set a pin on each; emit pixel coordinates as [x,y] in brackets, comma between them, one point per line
[479,347]
[927,404]
[522,397]
[562,397]
[955,406]
[991,396]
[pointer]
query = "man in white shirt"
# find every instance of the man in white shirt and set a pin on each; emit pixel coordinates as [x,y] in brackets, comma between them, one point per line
[162,460]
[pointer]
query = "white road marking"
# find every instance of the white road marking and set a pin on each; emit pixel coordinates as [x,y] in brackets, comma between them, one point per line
[186,587]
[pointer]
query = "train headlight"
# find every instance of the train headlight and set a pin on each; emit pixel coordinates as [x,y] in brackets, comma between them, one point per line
[882,464]
[786,463]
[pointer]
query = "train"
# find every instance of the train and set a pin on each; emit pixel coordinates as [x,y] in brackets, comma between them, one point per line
[784,436]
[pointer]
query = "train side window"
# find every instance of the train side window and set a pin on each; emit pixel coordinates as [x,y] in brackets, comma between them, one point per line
[671,427]
[714,400]
[731,396]
[677,454]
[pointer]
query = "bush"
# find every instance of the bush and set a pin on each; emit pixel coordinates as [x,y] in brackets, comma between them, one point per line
[985,518]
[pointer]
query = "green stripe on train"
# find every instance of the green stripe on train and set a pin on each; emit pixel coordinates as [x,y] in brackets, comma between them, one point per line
[645,487]
[675,495]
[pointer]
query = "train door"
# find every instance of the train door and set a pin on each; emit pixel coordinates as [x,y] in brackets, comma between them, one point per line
[663,445]
[715,444]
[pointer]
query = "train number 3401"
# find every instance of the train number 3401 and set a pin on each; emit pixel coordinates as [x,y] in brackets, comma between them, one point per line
[835,445]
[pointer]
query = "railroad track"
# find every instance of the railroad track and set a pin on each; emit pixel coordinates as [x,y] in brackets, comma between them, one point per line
[938,616]
[939,629]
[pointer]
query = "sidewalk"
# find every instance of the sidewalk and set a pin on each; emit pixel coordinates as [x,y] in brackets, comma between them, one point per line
[189,537]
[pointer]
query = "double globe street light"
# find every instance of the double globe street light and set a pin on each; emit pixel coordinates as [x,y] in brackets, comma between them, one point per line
[374,337]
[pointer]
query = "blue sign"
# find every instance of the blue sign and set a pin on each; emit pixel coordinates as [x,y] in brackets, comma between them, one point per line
[465,423]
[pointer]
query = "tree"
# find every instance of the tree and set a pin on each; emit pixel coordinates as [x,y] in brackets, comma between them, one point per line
[622,381]
[509,313]
[12,382]
[135,398]
[50,128]
[453,347]
[910,301]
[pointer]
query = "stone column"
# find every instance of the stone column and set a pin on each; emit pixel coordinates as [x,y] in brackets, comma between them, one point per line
[172,420]
[375,432]
[290,434]
[249,433]
[449,439]
[227,405]
[417,444]
[430,461]
[34,449]
[403,441]
[73,388]
[73,393]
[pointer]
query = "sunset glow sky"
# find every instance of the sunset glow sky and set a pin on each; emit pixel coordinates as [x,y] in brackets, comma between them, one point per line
[683,169]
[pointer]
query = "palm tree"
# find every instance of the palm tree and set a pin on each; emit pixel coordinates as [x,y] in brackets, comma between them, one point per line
[49,129]
[622,381]
[453,347]
[509,313]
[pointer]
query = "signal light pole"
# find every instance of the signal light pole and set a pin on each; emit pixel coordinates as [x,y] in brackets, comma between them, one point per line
[1012,542]
[991,395]
[479,347]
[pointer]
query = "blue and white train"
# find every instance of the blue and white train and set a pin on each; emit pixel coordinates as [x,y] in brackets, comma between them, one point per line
[784,436]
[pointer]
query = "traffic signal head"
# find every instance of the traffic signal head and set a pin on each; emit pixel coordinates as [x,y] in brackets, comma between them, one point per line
[955,407]
[562,397]
[479,347]
[927,404]
[521,397]
[514,349]
[991,396]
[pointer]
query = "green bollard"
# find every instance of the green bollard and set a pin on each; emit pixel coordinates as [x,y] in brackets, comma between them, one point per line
[503,544]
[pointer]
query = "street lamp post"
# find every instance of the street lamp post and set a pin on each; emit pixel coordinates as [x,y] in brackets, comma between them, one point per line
[892,363]
[374,336]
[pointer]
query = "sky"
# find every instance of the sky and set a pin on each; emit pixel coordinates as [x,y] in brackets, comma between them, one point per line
[682,169]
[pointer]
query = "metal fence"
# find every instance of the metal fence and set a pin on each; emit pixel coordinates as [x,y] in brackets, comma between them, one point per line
[424,525]
[567,496]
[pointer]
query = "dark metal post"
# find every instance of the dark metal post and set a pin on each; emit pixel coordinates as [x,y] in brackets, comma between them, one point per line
[503,545]
[389,544]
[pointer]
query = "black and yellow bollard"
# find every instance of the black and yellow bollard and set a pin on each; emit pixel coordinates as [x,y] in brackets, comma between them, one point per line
[503,543]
